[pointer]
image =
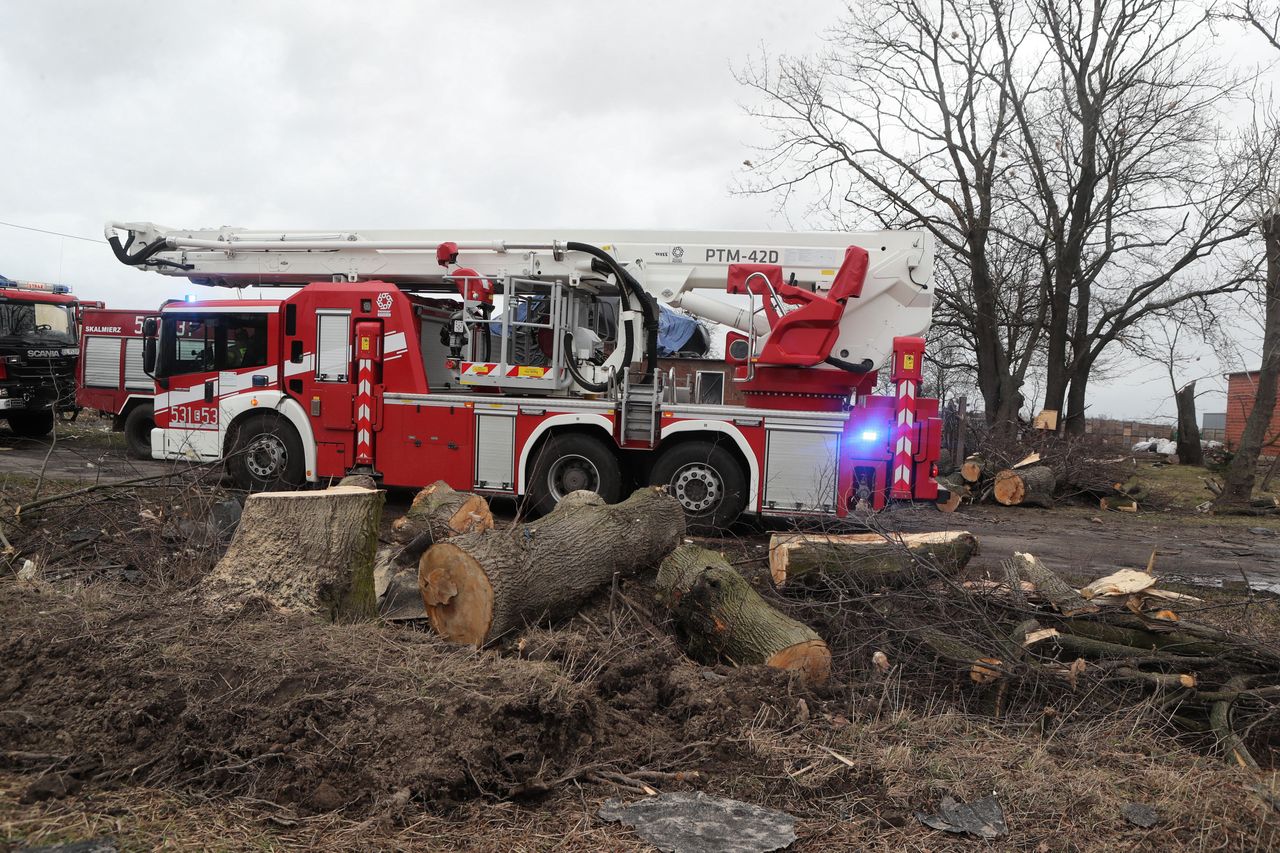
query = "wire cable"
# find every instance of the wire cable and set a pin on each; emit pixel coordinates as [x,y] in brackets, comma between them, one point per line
[52,233]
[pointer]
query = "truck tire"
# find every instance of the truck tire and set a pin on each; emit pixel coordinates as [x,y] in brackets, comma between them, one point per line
[707,480]
[265,455]
[570,461]
[31,424]
[137,431]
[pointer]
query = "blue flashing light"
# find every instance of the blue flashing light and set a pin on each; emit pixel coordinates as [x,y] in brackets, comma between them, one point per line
[870,435]
[190,297]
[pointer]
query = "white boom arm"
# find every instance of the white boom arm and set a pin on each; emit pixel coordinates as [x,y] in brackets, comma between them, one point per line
[896,299]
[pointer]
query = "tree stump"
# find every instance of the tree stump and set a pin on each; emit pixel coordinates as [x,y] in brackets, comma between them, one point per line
[1030,486]
[309,551]
[868,559]
[723,618]
[478,587]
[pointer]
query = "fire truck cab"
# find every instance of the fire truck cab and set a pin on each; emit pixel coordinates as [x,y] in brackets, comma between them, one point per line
[38,352]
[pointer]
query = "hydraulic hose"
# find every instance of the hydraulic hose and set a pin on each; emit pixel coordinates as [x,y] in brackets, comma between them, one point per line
[139,257]
[864,366]
[593,387]
[647,305]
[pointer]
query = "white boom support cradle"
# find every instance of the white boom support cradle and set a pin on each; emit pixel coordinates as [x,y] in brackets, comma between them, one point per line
[896,298]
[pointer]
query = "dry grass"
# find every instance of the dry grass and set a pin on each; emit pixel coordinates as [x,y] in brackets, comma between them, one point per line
[854,762]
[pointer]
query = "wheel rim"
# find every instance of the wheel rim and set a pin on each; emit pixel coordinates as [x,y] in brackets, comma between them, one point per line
[266,457]
[698,487]
[572,473]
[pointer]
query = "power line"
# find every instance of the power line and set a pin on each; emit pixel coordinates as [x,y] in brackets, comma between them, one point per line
[52,233]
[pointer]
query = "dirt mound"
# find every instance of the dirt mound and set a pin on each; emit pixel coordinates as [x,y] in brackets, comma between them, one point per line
[287,710]
[318,717]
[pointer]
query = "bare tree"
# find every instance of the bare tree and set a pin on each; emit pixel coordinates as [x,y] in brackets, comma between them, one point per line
[1262,150]
[1172,339]
[1062,153]
[903,121]
[1260,16]
[1118,131]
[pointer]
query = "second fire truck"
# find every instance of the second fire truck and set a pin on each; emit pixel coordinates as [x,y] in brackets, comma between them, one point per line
[525,363]
[38,352]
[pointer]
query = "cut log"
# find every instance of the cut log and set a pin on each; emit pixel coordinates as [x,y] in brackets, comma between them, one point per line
[952,503]
[973,469]
[1031,486]
[722,618]
[438,512]
[1052,588]
[479,587]
[307,551]
[1121,503]
[868,559]
[957,490]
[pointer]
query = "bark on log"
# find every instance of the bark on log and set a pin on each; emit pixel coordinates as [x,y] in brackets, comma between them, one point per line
[310,551]
[438,512]
[722,617]
[1031,486]
[1054,589]
[868,559]
[478,587]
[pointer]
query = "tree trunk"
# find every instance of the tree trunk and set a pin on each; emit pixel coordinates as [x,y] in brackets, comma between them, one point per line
[1030,486]
[437,513]
[868,559]
[1237,487]
[1075,421]
[310,551]
[1189,450]
[478,587]
[722,617]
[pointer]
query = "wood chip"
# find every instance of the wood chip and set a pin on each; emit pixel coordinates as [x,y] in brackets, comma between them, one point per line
[1123,582]
[1037,636]
[843,759]
[1031,459]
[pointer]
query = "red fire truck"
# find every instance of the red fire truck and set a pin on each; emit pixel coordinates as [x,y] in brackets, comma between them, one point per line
[38,352]
[536,374]
[111,378]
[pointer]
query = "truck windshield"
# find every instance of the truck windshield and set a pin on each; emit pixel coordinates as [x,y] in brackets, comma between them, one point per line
[40,320]
[199,343]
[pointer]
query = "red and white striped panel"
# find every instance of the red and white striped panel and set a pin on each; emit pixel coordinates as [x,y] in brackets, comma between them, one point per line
[364,411]
[908,358]
[903,445]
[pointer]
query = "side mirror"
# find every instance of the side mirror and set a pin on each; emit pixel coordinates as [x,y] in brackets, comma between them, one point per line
[149,356]
[149,326]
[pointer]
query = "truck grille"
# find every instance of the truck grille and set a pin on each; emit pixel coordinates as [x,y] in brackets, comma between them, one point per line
[45,380]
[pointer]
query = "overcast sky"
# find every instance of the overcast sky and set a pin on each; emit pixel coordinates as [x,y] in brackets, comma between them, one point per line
[384,114]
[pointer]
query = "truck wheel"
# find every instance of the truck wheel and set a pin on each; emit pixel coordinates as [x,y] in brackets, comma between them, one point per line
[32,424]
[137,431]
[266,455]
[567,463]
[707,480]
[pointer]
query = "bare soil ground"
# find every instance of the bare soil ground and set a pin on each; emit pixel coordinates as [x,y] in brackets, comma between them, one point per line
[129,713]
